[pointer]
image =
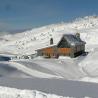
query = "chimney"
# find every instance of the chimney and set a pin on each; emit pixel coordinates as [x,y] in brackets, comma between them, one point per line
[51,41]
[78,35]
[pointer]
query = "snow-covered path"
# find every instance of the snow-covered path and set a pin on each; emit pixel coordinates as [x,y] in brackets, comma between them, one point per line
[75,89]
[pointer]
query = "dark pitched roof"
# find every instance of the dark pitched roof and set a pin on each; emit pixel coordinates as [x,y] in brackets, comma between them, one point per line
[73,40]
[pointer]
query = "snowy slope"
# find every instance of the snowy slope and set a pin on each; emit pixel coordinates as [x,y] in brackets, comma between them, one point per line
[31,71]
[81,68]
[90,63]
[27,42]
[66,69]
[10,71]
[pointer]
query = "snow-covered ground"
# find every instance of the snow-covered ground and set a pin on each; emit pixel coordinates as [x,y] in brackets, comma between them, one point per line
[6,92]
[82,68]
[11,71]
[27,42]
[64,68]
[59,87]
[78,68]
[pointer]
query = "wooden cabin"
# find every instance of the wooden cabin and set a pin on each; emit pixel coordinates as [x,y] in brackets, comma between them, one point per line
[69,45]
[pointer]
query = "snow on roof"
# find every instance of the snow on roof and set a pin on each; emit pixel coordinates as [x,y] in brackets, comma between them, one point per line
[71,39]
[47,47]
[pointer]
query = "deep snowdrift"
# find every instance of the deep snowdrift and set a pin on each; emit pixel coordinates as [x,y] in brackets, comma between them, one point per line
[90,63]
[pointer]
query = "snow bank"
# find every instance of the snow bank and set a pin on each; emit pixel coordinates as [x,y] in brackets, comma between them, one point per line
[90,79]
[6,92]
[64,57]
[90,63]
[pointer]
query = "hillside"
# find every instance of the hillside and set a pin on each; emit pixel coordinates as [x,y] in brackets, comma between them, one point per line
[27,42]
[82,68]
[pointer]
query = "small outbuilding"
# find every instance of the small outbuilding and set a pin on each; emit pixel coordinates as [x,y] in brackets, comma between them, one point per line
[69,45]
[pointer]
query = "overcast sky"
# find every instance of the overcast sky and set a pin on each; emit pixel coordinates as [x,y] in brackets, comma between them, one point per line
[19,15]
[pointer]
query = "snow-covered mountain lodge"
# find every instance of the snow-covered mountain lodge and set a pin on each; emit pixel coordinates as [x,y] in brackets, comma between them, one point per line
[69,45]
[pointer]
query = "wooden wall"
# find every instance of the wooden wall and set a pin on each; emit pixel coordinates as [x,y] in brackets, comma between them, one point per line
[52,51]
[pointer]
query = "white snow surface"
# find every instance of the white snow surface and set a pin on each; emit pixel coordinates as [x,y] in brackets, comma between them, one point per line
[84,67]
[29,41]
[90,63]
[6,92]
